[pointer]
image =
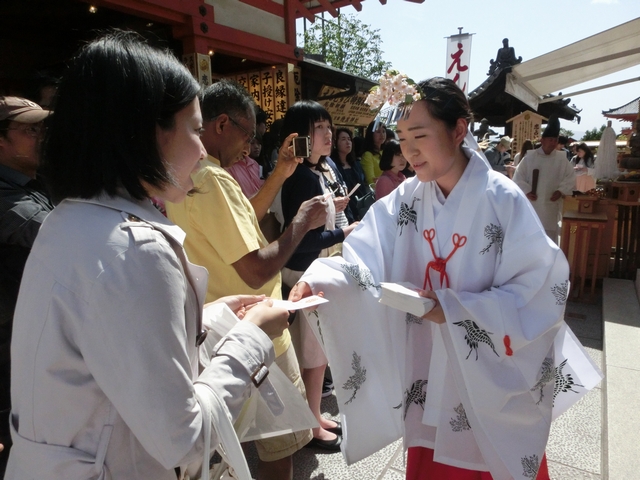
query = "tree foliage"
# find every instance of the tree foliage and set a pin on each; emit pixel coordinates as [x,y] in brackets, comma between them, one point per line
[347,44]
[594,134]
[566,133]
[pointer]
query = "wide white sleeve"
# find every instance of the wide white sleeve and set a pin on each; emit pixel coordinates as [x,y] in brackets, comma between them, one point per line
[135,344]
[363,339]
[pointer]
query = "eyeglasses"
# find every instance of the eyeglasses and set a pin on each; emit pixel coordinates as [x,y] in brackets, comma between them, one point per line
[250,136]
[31,131]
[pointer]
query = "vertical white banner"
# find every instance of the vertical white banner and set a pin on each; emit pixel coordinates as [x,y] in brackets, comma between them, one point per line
[458,59]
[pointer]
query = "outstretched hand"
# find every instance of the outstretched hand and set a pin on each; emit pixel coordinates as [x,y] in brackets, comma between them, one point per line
[239,304]
[272,320]
[312,213]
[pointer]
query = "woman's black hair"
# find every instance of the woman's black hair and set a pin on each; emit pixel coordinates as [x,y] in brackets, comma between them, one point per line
[358,146]
[115,94]
[335,155]
[390,134]
[526,146]
[589,161]
[445,101]
[369,146]
[390,150]
[300,118]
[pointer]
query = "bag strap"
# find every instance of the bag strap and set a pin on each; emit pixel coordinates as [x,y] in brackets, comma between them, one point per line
[229,445]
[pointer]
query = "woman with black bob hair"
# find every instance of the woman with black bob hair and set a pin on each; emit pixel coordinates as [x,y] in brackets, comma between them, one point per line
[465,376]
[113,387]
[312,177]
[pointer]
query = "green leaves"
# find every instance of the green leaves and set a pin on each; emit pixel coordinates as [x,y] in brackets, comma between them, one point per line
[594,134]
[347,44]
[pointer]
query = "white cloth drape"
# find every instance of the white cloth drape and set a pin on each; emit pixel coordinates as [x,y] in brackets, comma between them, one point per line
[607,162]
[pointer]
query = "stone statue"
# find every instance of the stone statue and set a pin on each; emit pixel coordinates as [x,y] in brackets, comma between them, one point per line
[506,57]
[483,130]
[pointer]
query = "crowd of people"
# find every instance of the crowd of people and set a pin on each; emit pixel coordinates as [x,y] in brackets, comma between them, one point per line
[139,199]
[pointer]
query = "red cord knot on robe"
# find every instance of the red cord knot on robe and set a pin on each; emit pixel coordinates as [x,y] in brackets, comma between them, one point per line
[439,264]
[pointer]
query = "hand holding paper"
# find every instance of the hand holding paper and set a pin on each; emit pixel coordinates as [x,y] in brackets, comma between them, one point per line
[306,302]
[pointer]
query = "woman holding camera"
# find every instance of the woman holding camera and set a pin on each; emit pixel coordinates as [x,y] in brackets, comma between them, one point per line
[312,177]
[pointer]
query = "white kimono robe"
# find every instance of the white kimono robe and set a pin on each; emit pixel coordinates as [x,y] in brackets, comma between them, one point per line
[556,173]
[479,389]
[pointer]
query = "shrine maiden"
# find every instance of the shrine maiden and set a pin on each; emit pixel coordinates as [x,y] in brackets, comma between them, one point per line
[473,384]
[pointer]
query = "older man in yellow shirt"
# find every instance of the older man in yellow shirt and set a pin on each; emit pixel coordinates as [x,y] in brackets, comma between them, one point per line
[224,236]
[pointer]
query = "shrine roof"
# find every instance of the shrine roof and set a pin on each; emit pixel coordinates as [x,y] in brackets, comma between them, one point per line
[627,112]
[490,100]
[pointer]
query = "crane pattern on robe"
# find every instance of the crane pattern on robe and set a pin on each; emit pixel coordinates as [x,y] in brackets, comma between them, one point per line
[495,235]
[547,374]
[561,292]
[530,466]
[564,382]
[475,335]
[460,423]
[355,381]
[362,275]
[408,215]
[416,394]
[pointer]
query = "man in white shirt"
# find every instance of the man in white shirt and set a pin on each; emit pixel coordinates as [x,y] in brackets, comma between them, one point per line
[555,178]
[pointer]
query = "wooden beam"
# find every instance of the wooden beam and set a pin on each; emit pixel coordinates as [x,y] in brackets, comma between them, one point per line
[338,4]
[304,12]
[290,22]
[237,43]
[329,7]
[156,11]
[267,6]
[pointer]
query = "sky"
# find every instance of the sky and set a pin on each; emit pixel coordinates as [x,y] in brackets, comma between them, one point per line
[413,40]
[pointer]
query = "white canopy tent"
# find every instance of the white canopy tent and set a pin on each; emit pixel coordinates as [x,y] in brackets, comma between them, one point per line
[593,57]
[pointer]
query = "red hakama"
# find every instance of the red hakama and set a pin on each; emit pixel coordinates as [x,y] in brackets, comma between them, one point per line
[420,466]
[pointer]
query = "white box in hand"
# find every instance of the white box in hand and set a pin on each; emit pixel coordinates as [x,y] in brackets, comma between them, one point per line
[404,296]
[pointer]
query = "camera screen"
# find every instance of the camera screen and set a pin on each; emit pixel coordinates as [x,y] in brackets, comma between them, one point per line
[301,147]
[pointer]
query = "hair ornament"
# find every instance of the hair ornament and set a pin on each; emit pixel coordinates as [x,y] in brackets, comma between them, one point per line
[397,90]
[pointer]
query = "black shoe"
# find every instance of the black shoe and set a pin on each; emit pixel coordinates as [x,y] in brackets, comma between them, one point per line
[328,445]
[337,429]
[327,388]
